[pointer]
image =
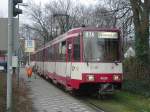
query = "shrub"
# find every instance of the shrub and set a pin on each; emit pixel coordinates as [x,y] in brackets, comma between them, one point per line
[141,87]
[136,77]
[134,70]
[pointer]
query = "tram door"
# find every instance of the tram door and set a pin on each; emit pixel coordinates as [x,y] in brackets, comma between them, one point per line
[69,59]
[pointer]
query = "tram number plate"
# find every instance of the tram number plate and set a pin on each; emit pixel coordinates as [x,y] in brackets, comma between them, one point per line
[103,78]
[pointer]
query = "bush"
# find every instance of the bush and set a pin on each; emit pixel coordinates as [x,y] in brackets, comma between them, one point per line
[136,77]
[141,87]
[134,70]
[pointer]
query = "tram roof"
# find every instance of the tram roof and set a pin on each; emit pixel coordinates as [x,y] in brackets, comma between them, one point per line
[74,32]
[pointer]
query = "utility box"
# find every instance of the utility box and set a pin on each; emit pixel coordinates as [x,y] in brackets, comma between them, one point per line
[14,61]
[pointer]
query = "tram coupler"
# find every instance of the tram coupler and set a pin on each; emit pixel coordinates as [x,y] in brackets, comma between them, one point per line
[106,89]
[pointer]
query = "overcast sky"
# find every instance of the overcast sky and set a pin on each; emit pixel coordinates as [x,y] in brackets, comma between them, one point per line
[4,5]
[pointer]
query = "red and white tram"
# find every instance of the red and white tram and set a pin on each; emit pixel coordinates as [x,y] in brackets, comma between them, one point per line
[83,59]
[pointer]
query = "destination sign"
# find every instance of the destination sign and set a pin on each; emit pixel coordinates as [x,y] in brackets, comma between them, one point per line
[101,34]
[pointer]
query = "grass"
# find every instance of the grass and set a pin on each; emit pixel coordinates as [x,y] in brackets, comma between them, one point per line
[124,102]
[141,87]
[20,100]
[1,83]
[20,97]
[2,92]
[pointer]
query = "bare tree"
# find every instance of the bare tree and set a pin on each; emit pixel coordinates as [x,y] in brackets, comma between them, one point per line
[136,12]
[59,16]
[63,12]
[40,21]
[103,17]
[141,13]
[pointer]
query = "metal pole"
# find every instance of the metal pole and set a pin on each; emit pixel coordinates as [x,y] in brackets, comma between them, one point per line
[9,59]
[29,58]
[18,50]
[29,38]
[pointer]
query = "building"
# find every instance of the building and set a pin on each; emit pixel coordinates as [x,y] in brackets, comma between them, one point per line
[4,34]
[4,38]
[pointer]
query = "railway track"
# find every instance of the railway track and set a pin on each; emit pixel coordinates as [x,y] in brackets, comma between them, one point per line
[94,106]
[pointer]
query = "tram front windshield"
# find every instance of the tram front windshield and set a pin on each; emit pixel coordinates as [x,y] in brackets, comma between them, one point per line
[101,46]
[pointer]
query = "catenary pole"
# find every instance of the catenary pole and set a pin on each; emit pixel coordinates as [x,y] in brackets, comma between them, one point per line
[9,59]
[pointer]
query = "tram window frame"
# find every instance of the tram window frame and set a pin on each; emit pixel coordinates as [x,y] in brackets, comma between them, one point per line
[53,53]
[56,51]
[69,50]
[62,51]
[35,57]
[32,57]
[76,39]
[41,54]
[49,54]
[46,54]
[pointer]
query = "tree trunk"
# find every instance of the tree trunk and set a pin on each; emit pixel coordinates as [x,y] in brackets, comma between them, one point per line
[141,24]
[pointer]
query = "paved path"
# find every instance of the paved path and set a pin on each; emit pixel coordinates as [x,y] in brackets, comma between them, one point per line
[47,98]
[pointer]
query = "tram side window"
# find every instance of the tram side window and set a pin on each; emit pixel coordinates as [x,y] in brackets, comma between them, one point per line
[53,53]
[36,57]
[40,56]
[69,49]
[76,50]
[57,52]
[46,54]
[62,51]
[33,57]
[49,53]
[41,53]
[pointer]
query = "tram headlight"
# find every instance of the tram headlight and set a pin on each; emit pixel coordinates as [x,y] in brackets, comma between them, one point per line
[90,78]
[116,77]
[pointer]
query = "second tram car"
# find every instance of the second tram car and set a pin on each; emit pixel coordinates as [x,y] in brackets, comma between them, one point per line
[82,59]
